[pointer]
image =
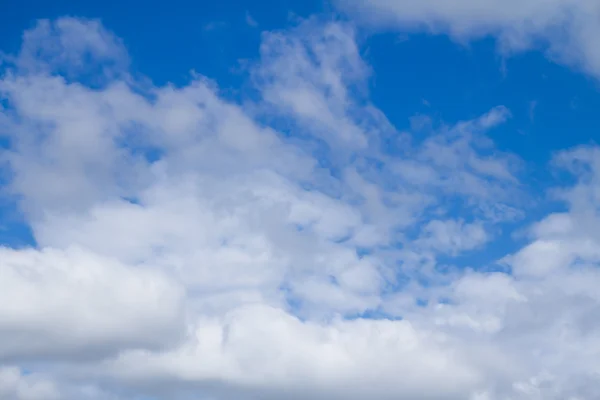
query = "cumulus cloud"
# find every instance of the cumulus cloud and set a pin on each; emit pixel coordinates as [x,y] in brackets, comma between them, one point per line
[72,302]
[184,247]
[567,29]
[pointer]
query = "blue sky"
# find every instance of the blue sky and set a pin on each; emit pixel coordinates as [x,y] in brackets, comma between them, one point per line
[167,40]
[310,199]
[553,107]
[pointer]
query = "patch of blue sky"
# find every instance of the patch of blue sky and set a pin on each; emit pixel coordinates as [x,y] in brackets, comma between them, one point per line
[14,231]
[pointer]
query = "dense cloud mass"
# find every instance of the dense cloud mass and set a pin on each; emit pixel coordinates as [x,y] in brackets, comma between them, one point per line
[192,247]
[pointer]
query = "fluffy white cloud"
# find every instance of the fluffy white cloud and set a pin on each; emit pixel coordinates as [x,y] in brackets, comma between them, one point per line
[567,29]
[74,303]
[185,248]
[269,352]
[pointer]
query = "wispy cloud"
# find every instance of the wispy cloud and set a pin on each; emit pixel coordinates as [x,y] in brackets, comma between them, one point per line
[565,29]
[250,20]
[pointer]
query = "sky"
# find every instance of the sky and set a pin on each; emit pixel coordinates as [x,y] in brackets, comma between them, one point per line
[323,199]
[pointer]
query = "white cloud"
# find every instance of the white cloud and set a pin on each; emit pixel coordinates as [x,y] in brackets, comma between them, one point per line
[452,236]
[72,46]
[270,353]
[15,385]
[308,75]
[567,29]
[185,247]
[57,303]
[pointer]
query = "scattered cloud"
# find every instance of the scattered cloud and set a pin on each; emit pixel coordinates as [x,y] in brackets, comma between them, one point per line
[189,244]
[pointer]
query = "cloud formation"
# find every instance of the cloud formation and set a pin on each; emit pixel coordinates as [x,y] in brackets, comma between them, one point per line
[192,247]
[566,29]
